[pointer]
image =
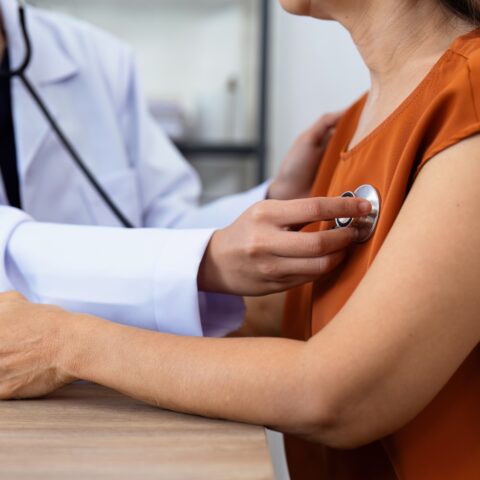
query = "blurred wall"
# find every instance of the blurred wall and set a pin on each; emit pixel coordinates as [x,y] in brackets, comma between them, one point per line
[181,59]
[315,69]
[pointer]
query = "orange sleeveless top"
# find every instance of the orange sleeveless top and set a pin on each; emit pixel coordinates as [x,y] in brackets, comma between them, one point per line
[443,442]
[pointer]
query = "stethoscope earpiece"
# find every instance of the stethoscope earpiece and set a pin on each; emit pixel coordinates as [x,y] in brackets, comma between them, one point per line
[368,224]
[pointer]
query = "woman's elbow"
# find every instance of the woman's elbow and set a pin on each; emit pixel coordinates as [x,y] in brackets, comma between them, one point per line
[329,419]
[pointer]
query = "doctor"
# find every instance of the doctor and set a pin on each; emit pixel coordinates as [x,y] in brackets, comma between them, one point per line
[60,243]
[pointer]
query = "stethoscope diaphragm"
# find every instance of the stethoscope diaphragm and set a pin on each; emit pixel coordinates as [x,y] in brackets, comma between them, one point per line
[368,224]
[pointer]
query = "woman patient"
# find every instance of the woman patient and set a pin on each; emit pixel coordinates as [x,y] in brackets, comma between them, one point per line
[378,375]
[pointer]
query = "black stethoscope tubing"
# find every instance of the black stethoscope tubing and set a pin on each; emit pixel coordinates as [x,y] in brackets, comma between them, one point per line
[19,73]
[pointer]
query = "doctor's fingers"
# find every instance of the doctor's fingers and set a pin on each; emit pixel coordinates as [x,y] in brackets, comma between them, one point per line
[309,245]
[310,210]
[291,272]
[321,129]
[12,296]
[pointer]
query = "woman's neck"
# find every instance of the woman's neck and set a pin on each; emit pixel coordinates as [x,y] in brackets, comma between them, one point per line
[395,37]
[400,42]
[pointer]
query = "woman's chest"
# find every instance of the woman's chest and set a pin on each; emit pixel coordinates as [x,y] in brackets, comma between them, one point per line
[386,166]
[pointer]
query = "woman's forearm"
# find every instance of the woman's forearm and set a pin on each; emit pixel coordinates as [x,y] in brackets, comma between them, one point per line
[261,381]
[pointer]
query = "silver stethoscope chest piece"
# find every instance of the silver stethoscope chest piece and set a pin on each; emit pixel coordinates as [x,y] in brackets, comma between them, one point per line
[365,225]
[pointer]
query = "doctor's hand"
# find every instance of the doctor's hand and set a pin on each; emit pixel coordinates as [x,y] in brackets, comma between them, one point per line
[263,252]
[299,168]
[31,342]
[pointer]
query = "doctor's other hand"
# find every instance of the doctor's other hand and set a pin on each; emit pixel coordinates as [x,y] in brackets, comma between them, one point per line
[299,168]
[264,252]
[30,343]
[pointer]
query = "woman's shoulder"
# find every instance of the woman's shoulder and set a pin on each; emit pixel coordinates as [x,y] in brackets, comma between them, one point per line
[468,46]
[458,73]
[449,110]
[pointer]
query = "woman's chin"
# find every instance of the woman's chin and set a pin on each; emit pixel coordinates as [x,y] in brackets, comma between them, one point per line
[304,8]
[297,7]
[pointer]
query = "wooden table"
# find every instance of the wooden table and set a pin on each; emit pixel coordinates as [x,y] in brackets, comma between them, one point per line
[88,432]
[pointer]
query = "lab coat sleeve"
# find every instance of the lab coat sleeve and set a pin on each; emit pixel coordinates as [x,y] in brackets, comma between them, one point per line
[142,278]
[225,211]
[169,188]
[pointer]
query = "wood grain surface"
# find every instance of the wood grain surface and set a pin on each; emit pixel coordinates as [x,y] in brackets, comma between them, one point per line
[88,432]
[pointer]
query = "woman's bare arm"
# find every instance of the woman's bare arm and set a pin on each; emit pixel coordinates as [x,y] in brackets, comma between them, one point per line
[416,315]
[402,335]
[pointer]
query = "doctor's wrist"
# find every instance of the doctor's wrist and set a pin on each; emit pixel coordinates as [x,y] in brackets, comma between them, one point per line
[277,191]
[210,272]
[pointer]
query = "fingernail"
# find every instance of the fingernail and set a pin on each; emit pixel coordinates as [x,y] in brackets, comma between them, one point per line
[365,207]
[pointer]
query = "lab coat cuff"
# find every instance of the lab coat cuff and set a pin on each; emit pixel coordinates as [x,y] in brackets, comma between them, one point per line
[177,302]
[10,219]
[224,211]
[260,192]
[221,314]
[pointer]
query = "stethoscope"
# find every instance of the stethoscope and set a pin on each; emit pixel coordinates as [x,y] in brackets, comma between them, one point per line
[19,73]
[368,224]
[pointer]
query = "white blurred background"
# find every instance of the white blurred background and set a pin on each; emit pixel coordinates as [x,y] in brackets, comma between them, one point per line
[200,65]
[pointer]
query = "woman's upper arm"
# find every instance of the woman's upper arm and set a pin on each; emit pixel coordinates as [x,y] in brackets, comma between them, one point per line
[415,317]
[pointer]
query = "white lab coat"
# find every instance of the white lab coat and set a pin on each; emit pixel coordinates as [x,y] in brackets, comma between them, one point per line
[66,248]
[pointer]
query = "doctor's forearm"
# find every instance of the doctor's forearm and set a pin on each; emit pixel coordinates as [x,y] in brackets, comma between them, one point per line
[126,276]
[260,381]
